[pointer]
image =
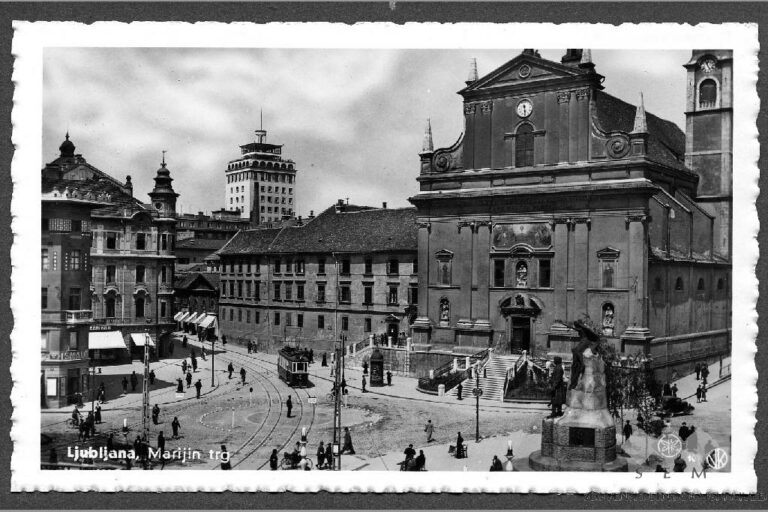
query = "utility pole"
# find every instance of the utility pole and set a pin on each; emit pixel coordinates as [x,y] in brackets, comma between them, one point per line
[339,350]
[477,392]
[145,387]
[213,356]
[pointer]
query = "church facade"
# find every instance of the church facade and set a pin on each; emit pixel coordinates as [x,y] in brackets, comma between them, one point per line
[562,202]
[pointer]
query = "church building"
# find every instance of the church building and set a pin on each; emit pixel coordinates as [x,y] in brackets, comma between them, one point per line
[562,202]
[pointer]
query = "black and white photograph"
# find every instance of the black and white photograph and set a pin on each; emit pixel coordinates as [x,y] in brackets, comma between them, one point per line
[286,259]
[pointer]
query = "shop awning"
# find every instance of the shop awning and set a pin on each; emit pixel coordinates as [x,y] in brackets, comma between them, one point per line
[191,318]
[139,337]
[105,340]
[184,317]
[199,320]
[208,321]
[177,316]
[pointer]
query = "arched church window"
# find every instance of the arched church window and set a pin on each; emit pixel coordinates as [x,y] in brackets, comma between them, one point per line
[608,323]
[720,284]
[524,146]
[701,286]
[679,284]
[707,93]
[521,274]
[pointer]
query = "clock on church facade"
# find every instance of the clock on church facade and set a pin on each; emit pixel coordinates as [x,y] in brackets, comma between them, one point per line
[561,201]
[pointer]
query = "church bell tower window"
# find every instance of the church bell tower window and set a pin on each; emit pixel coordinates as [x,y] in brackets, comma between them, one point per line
[708,93]
[524,146]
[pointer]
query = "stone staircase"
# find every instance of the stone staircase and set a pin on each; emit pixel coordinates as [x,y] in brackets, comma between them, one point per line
[492,383]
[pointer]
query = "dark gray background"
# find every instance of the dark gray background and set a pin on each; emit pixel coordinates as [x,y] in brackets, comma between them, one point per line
[347,12]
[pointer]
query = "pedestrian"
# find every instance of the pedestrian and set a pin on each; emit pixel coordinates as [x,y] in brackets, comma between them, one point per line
[230,369]
[345,396]
[704,372]
[365,367]
[289,405]
[125,385]
[698,371]
[242,375]
[429,428]
[134,381]
[184,341]
[224,339]
[496,464]
[684,432]
[459,389]
[347,448]
[389,378]
[409,453]
[640,421]
[558,386]
[343,385]
[320,455]
[151,377]
[98,413]
[102,393]
[189,379]
[161,443]
[329,456]
[627,431]
[421,461]
[273,460]
[680,465]
[674,390]
[155,413]
[459,446]
[202,353]
[175,426]
[198,387]
[180,386]
[364,391]
[225,463]
[325,360]
[194,363]
[698,394]
[249,346]
[184,366]
[704,392]
[667,390]
[110,443]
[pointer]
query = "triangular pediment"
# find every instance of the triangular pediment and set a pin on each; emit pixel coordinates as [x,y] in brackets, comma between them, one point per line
[524,69]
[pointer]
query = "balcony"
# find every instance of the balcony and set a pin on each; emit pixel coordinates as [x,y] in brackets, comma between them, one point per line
[78,316]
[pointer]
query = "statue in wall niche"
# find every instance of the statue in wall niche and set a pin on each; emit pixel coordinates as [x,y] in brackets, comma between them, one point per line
[608,320]
[589,341]
[445,310]
[522,275]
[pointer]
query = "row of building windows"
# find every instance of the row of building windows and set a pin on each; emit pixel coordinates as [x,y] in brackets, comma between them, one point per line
[141,241]
[287,318]
[110,273]
[701,285]
[393,266]
[277,200]
[73,260]
[254,174]
[285,292]
[66,225]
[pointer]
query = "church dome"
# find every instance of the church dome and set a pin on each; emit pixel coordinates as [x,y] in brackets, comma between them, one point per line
[67,148]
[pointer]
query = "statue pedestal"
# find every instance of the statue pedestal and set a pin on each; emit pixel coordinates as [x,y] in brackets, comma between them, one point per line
[584,438]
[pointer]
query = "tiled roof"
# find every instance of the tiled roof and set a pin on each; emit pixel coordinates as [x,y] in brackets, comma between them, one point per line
[666,142]
[357,230]
[212,278]
[200,243]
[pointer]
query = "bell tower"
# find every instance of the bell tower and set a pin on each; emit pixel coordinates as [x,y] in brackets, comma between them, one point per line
[709,138]
[163,196]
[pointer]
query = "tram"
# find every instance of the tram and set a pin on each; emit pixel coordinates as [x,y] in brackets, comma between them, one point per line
[293,366]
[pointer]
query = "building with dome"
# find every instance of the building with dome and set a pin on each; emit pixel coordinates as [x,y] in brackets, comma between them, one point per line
[131,259]
[561,201]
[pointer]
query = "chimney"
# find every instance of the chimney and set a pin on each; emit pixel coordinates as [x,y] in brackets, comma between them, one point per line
[384,205]
[311,214]
[586,60]
[340,207]
[129,185]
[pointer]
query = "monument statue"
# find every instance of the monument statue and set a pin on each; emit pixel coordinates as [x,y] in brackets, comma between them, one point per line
[583,438]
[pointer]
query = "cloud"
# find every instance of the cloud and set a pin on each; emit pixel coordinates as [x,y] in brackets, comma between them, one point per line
[352,120]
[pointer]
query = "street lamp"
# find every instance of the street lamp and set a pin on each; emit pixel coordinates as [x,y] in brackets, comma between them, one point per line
[145,387]
[477,392]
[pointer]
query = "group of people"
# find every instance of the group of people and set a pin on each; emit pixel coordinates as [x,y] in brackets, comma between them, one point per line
[669,390]
[412,461]
[231,369]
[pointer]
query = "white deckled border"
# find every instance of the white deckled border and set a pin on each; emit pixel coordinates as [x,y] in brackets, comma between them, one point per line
[31,38]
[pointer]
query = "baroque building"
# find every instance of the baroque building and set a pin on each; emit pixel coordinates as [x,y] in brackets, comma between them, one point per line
[561,201]
[260,183]
[132,251]
[349,272]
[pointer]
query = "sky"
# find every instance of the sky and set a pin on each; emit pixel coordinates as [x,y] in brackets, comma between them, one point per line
[352,120]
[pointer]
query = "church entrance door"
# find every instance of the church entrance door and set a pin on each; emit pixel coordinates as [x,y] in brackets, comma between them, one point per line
[520,333]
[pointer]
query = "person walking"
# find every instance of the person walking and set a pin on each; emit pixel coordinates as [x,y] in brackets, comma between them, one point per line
[184,366]
[273,460]
[459,389]
[558,387]
[134,381]
[311,356]
[704,392]
[704,372]
[698,371]
[151,377]
[184,341]
[459,446]
[175,426]
[683,432]
[161,443]
[230,369]
[429,428]
[102,393]
[320,455]
[325,360]
[364,391]
[198,387]
[125,385]
[242,375]
[329,456]
[698,394]
[249,346]
[98,413]
[189,379]
[155,413]
[627,431]
[347,448]
[194,363]
[180,386]
[289,405]
[496,464]
[389,378]
[225,462]
[674,390]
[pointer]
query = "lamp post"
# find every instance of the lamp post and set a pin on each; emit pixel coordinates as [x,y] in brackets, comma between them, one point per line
[477,391]
[213,356]
[145,387]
